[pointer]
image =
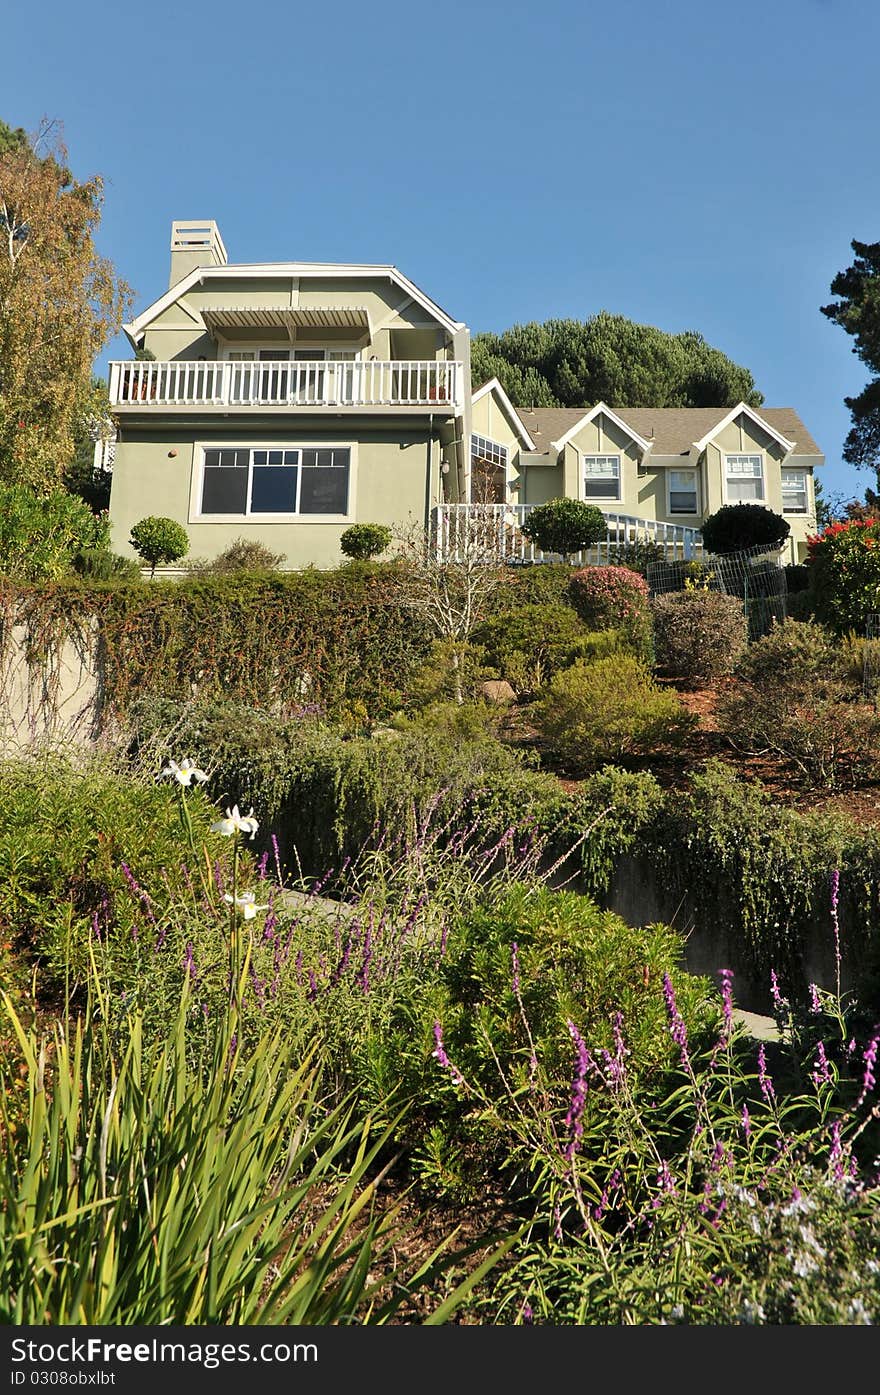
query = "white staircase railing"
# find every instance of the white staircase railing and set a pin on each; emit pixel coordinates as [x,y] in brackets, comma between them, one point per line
[503,523]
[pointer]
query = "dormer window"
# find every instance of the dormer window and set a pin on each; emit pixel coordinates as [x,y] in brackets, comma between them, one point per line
[601,476]
[744,479]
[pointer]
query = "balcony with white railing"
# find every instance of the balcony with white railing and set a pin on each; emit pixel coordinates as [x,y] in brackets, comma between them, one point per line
[188,383]
[497,529]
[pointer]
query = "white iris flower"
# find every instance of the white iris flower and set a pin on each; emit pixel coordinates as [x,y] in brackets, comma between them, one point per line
[185,773]
[236,823]
[246,904]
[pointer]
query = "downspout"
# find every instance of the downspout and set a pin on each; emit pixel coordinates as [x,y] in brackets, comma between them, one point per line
[429,472]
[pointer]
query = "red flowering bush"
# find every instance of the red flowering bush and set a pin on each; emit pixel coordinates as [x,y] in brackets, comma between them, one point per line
[604,597]
[844,569]
[615,598]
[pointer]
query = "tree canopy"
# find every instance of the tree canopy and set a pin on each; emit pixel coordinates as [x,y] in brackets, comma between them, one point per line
[608,358]
[59,304]
[857,310]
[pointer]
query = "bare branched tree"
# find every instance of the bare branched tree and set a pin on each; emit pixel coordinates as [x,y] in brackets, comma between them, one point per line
[450,578]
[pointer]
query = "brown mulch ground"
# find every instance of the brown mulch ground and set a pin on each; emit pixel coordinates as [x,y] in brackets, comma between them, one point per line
[672,768]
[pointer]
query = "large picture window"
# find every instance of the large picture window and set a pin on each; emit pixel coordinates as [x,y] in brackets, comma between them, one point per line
[275,480]
[745,479]
[601,476]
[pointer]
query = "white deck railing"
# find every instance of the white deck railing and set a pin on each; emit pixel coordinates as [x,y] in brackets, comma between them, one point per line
[293,383]
[502,524]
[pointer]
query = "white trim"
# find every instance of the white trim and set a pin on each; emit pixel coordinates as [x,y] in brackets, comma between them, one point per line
[507,407]
[601,409]
[261,270]
[197,471]
[750,455]
[754,416]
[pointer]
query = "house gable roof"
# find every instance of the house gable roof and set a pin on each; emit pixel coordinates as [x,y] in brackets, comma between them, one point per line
[673,430]
[741,409]
[600,409]
[302,270]
[497,391]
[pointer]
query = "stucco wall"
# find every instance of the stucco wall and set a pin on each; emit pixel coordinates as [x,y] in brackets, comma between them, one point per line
[391,481]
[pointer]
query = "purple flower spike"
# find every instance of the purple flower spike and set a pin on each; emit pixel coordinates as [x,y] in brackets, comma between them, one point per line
[727,998]
[440,1055]
[815,1000]
[764,1080]
[574,1117]
[870,1059]
[746,1123]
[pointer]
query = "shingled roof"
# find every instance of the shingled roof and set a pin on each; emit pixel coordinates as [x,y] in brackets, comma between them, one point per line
[673,429]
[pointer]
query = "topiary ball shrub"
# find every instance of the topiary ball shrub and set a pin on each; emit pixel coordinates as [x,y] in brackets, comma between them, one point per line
[363,541]
[738,527]
[565,526]
[698,635]
[607,711]
[159,541]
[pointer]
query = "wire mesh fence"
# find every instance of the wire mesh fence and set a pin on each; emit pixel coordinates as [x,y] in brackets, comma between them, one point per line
[756,575]
[871,657]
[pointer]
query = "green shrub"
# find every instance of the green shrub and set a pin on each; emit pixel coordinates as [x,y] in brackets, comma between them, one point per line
[797,577]
[363,541]
[792,699]
[39,537]
[99,564]
[637,556]
[516,972]
[698,635]
[528,645]
[844,567]
[738,527]
[615,598]
[607,711]
[565,526]
[159,541]
[84,851]
[245,555]
[860,664]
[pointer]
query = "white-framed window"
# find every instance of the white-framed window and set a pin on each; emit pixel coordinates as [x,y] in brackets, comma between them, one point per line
[744,479]
[488,471]
[794,491]
[240,481]
[683,491]
[601,476]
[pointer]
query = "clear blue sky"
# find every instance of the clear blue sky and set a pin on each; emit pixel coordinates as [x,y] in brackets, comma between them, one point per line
[688,164]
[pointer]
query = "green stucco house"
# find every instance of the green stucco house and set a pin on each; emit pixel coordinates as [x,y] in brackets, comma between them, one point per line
[284,401]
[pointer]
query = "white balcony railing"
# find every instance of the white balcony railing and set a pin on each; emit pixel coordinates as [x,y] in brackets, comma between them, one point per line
[294,383]
[499,529]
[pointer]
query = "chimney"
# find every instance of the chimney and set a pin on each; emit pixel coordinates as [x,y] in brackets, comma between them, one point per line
[195,242]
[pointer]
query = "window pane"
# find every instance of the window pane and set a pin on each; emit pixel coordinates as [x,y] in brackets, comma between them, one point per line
[273,489]
[224,490]
[324,490]
[682,501]
[601,488]
[743,491]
